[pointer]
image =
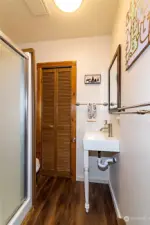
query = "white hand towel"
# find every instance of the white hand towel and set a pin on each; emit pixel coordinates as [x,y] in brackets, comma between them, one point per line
[90,111]
[94,111]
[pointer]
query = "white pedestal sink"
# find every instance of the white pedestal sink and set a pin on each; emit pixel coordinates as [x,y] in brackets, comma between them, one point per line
[96,141]
[99,141]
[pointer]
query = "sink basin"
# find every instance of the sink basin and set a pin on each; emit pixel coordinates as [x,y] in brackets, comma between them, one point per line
[99,141]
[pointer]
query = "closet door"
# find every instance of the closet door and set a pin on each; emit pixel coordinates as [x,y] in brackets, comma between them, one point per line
[63,114]
[48,121]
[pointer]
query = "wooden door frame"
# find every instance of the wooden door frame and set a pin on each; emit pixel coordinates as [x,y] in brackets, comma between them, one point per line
[51,65]
[32,52]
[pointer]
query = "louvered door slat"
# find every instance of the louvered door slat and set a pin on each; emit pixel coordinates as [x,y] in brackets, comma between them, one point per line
[63,120]
[48,131]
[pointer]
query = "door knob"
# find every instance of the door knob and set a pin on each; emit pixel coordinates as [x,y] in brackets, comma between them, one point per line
[51,126]
[74,140]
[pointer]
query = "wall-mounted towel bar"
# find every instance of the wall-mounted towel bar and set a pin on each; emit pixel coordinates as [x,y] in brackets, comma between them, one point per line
[103,104]
[122,110]
[139,112]
[134,106]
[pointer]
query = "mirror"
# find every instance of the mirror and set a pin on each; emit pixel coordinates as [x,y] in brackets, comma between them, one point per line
[114,82]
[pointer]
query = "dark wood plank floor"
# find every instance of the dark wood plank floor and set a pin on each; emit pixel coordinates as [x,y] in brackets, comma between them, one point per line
[40,182]
[61,202]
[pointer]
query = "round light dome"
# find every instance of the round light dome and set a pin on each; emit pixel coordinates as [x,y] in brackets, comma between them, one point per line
[68,5]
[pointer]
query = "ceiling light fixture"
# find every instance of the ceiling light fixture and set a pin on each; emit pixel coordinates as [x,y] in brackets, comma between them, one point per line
[68,5]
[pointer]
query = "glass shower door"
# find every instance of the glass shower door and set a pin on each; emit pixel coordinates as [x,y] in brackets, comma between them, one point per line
[13,135]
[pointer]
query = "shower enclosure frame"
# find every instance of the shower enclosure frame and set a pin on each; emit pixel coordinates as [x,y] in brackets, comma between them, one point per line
[26,205]
[31,51]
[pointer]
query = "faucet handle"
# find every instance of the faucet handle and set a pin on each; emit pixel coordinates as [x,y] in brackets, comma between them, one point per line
[105,122]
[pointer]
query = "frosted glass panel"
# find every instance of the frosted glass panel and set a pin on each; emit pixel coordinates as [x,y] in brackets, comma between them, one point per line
[12,133]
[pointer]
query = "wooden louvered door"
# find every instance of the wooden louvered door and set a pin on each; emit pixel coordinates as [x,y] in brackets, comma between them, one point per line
[63,118]
[57,118]
[48,121]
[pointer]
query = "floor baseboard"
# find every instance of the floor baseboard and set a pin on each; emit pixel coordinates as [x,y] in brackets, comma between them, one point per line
[28,216]
[93,180]
[121,222]
[118,213]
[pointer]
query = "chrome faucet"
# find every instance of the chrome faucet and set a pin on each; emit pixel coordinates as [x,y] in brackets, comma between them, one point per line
[107,128]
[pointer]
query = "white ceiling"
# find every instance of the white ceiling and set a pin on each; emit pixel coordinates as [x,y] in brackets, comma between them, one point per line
[95,17]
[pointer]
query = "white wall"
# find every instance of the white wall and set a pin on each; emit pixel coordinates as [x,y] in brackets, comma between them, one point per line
[92,56]
[130,178]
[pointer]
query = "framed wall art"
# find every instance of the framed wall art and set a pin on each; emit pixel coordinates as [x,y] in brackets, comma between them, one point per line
[137,30]
[92,79]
